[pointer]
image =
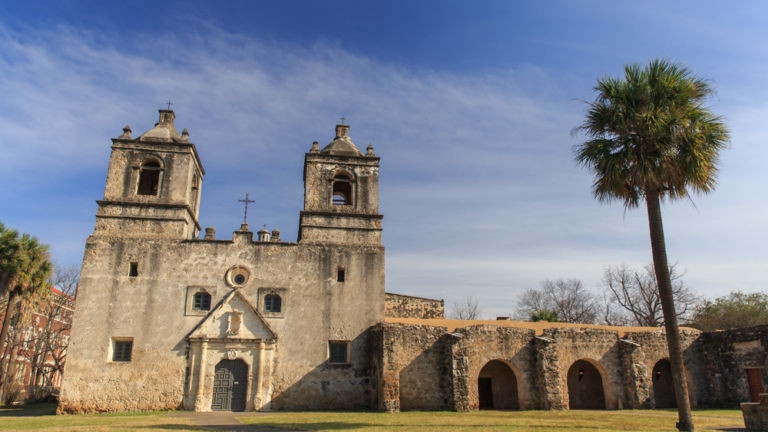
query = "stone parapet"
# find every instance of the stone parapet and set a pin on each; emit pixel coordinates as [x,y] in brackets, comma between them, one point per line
[405,306]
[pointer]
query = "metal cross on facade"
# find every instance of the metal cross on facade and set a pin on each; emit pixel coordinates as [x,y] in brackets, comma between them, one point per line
[245,213]
[169,103]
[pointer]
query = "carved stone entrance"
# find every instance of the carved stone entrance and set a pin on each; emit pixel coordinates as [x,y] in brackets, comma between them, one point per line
[229,386]
[230,358]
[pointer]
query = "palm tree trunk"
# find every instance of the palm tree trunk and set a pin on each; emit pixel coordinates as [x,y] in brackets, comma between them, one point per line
[4,336]
[661,268]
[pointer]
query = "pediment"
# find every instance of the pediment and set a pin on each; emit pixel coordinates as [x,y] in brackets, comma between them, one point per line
[234,317]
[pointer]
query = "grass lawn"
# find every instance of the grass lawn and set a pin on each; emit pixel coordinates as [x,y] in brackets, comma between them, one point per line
[41,417]
[627,420]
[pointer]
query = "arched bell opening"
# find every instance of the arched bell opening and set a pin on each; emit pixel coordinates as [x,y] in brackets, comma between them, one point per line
[149,178]
[663,389]
[497,387]
[342,189]
[585,386]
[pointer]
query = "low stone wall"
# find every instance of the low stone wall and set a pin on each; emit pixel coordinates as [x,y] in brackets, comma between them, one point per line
[403,306]
[756,414]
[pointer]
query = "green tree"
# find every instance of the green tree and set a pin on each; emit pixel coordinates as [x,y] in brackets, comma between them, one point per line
[736,310]
[24,273]
[650,137]
[544,315]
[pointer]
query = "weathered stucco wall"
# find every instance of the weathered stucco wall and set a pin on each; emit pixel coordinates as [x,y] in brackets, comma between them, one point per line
[150,308]
[405,306]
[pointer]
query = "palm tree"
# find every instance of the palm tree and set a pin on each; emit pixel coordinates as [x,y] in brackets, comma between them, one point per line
[24,274]
[651,137]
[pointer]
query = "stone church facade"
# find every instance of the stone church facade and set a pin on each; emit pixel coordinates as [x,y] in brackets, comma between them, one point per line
[166,319]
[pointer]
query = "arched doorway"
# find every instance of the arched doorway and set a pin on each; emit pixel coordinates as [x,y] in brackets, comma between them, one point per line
[663,389]
[497,387]
[585,386]
[229,386]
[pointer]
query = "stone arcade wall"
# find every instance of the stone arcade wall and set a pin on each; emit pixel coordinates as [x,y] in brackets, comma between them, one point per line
[429,367]
[405,306]
[638,363]
[473,347]
[410,365]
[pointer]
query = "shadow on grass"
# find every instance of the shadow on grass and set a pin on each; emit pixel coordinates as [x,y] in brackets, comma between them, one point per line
[317,426]
[326,426]
[176,427]
[227,428]
[32,410]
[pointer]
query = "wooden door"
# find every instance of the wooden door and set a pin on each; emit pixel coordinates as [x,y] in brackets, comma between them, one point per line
[755,381]
[229,386]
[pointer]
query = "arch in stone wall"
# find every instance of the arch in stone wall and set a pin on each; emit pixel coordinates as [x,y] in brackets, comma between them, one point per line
[498,386]
[586,389]
[663,388]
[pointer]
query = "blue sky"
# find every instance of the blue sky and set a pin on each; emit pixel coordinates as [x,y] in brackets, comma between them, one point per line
[470,105]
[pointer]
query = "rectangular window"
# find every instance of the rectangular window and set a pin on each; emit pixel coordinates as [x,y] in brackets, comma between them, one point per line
[338,352]
[121,350]
[340,275]
[133,269]
[272,303]
[202,301]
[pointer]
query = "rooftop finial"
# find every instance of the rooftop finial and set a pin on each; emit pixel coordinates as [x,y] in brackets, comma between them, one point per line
[369,150]
[126,133]
[342,120]
[169,103]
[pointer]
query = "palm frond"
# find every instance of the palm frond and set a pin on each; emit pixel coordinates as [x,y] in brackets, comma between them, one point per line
[650,130]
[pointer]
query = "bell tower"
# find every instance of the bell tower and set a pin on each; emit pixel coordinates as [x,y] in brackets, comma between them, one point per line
[153,184]
[341,193]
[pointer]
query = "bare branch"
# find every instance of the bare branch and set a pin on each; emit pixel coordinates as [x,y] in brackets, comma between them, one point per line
[635,295]
[466,309]
[566,297]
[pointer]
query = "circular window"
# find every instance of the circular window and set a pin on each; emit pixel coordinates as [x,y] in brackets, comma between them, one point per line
[237,276]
